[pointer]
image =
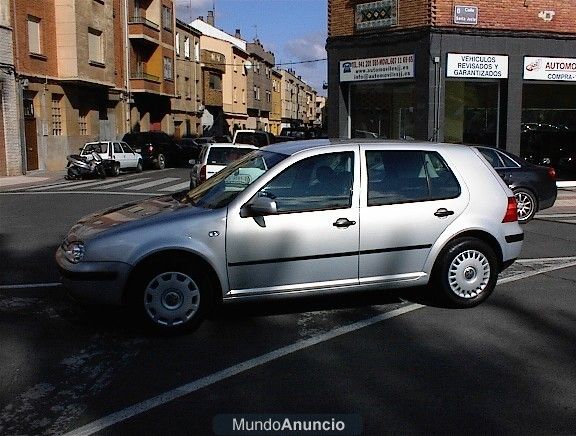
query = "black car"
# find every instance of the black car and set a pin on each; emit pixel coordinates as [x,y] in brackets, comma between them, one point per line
[158,150]
[534,186]
[189,149]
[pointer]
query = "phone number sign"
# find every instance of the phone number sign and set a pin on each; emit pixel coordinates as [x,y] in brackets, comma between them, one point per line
[383,68]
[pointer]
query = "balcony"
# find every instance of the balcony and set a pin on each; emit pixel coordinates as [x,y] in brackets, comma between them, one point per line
[143,82]
[141,28]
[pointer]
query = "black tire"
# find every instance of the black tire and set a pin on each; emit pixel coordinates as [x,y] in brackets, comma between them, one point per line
[160,162]
[170,296]
[115,172]
[527,204]
[139,166]
[465,272]
[101,172]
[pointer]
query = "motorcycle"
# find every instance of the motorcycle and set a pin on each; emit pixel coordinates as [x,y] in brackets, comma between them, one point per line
[85,166]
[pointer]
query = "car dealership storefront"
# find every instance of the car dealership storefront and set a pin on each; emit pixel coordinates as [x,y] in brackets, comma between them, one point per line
[493,88]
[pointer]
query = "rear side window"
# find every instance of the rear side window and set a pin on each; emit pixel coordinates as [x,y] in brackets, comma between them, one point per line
[117,148]
[408,176]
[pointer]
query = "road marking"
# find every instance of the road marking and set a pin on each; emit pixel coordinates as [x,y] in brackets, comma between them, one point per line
[557,215]
[178,187]
[125,182]
[186,389]
[31,286]
[153,183]
[93,183]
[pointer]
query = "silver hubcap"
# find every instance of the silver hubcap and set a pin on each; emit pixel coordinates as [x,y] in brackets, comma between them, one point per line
[525,205]
[469,274]
[171,298]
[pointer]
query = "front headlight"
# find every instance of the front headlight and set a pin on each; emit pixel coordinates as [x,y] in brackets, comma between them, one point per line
[74,251]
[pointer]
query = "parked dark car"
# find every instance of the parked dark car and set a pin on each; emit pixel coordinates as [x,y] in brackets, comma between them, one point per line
[158,150]
[534,186]
[189,149]
[550,145]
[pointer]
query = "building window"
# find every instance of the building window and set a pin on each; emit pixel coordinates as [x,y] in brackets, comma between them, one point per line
[187,47]
[187,87]
[177,44]
[83,122]
[197,51]
[256,93]
[57,115]
[215,82]
[34,41]
[28,108]
[168,73]
[95,47]
[268,97]
[166,18]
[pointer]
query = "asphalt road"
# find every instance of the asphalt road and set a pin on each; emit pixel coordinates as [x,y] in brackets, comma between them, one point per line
[397,361]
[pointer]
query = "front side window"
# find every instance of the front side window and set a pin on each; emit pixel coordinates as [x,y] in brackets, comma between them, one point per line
[408,176]
[317,183]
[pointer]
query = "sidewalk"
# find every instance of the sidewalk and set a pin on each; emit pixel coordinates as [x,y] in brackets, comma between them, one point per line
[31,178]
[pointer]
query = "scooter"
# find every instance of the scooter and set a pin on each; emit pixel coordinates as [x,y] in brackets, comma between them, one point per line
[80,167]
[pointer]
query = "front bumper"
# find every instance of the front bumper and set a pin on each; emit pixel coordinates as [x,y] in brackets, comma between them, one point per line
[94,282]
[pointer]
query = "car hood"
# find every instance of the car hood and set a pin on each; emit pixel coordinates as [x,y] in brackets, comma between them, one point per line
[129,215]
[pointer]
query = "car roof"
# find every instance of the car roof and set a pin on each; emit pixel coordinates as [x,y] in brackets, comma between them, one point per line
[293,147]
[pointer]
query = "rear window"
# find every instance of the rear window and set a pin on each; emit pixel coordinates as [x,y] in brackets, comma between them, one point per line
[98,147]
[225,155]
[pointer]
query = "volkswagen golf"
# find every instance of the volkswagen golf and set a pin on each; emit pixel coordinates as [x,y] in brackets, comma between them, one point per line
[302,218]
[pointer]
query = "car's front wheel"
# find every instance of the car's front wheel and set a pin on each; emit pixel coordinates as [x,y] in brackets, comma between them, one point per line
[139,166]
[466,272]
[526,202]
[171,297]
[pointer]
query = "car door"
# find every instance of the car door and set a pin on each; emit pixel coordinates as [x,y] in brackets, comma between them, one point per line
[130,158]
[312,242]
[409,200]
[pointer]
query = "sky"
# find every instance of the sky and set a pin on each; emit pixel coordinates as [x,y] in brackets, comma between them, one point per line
[294,30]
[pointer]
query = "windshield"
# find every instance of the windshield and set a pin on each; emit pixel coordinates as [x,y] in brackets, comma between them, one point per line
[220,189]
[225,155]
[98,147]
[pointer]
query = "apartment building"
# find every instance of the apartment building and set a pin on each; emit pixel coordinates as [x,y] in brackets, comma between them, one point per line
[294,100]
[259,84]
[275,117]
[150,63]
[497,73]
[187,106]
[10,149]
[234,80]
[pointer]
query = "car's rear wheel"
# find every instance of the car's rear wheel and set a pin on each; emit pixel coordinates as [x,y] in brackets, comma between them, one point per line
[466,272]
[171,296]
[527,206]
[160,162]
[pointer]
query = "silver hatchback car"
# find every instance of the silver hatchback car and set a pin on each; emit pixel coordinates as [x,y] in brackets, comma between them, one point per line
[300,218]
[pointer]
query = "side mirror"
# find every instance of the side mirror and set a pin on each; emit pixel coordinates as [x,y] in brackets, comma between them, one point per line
[260,206]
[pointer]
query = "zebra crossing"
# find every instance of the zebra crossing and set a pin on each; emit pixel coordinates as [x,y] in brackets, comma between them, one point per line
[567,218]
[132,184]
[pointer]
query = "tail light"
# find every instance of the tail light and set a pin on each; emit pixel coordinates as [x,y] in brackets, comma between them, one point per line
[150,148]
[552,173]
[202,176]
[511,211]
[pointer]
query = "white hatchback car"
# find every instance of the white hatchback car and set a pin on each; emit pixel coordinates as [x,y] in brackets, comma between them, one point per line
[302,218]
[214,157]
[121,153]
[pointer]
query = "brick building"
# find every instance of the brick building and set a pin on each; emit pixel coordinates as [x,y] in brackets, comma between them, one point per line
[10,149]
[497,73]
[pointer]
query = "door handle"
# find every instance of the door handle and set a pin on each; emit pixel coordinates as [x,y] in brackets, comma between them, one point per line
[343,222]
[443,212]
